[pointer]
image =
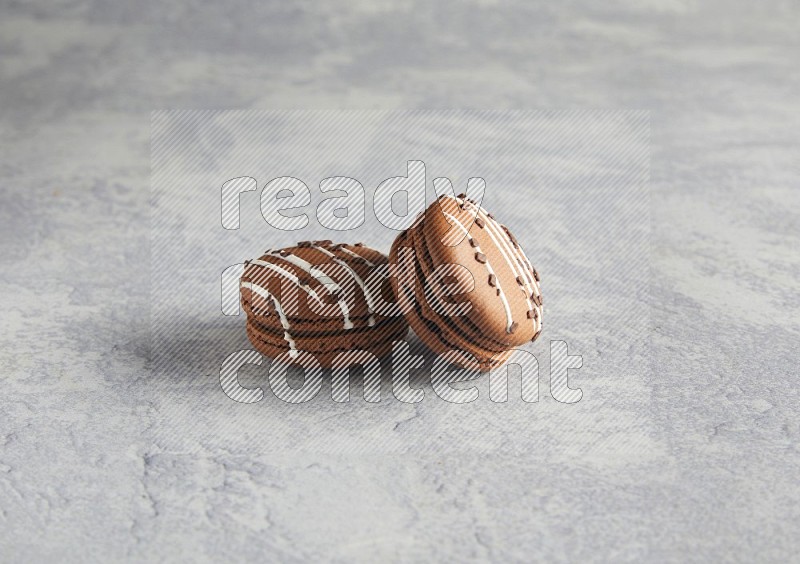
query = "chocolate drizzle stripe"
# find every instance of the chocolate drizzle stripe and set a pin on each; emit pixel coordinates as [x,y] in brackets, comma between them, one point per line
[288,275]
[494,230]
[467,334]
[495,233]
[434,328]
[387,336]
[506,306]
[358,280]
[264,293]
[292,278]
[333,288]
[471,332]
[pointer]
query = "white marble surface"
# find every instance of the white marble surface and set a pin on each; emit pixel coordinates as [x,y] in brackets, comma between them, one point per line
[99,462]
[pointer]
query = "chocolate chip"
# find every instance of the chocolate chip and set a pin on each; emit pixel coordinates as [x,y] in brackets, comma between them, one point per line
[536,299]
[498,291]
[536,336]
[520,280]
[531,314]
[359,244]
[492,280]
[461,196]
[334,297]
[304,244]
[284,253]
[513,327]
[472,242]
[480,257]
[490,216]
[323,243]
[479,222]
[535,275]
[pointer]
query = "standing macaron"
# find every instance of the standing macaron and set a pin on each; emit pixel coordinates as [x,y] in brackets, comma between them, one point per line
[456,244]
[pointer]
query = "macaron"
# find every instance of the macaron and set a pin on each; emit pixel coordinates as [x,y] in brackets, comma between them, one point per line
[319,298]
[466,285]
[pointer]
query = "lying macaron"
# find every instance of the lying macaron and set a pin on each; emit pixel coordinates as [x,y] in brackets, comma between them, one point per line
[320,298]
[498,288]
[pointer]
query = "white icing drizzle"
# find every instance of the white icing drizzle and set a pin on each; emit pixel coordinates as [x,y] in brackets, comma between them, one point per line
[509,318]
[357,278]
[356,255]
[289,276]
[323,279]
[264,293]
[529,283]
[292,278]
[503,245]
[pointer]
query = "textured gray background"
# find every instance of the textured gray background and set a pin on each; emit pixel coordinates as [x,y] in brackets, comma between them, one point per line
[706,466]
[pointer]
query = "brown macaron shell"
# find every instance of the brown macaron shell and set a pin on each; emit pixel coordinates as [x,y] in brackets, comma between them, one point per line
[441,334]
[308,301]
[325,359]
[325,347]
[320,298]
[506,305]
[454,328]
